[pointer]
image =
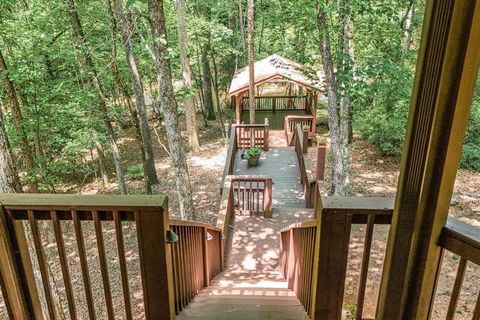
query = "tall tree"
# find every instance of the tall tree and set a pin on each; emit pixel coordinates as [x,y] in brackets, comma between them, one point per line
[189,103]
[336,118]
[17,116]
[207,82]
[137,85]
[9,181]
[86,61]
[251,61]
[167,99]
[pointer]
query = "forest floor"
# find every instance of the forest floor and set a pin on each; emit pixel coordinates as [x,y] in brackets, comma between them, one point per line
[372,174]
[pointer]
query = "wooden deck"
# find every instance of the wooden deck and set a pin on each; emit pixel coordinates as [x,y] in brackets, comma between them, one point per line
[252,286]
[282,166]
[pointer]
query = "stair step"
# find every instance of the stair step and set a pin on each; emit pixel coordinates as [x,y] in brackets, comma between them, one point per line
[245,299]
[238,313]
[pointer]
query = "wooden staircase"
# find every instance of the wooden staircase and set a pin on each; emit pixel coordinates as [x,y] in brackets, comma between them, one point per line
[252,286]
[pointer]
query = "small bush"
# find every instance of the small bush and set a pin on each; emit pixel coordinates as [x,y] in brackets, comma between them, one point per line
[470,157]
[135,172]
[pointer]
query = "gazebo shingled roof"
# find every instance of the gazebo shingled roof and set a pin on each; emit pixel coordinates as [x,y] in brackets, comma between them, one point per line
[275,66]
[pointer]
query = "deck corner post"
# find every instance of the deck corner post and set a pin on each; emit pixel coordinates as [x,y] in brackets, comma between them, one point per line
[331,254]
[268,198]
[321,156]
[305,130]
[206,258]
[16,278]
[156,263]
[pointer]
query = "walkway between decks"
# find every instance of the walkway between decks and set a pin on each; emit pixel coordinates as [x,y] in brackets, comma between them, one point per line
[252,287]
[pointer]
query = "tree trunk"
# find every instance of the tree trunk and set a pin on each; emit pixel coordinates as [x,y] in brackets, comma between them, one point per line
[190,116]
[9,181]
[340,174]
[137,85]
[88,65]
[407,28]
[164,76]
[217,94]
[251,62]
[207,83]
[14,106]
[102,163]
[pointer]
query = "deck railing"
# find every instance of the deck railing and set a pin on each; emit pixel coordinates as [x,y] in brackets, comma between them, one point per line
[315,255]
[307,177]
[252,195]
[196,257]
[297,259]
[252,135]
[291,123]
[276,103]
[170,274]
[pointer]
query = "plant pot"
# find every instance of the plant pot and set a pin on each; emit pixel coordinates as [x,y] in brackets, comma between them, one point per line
[253,162]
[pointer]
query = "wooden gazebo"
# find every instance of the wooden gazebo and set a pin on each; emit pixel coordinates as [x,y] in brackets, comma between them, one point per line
[282,88]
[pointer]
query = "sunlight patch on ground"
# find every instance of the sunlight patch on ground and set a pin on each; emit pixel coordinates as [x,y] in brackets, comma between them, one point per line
[214,162]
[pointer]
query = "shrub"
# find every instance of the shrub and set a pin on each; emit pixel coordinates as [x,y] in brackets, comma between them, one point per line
[135,172]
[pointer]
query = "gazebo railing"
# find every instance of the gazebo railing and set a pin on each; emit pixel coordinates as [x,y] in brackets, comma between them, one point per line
[277,103]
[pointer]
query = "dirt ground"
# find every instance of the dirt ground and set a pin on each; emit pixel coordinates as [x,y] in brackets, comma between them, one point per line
[372,175]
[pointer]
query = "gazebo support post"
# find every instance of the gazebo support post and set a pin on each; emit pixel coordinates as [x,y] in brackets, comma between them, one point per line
[238,107]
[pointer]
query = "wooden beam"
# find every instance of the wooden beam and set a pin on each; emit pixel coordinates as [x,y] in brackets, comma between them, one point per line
[446,75]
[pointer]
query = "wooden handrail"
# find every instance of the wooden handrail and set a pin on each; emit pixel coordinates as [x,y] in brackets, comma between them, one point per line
[187,223]
[461,239]
[299,225]
[305,165]
[231,153]
[150,215]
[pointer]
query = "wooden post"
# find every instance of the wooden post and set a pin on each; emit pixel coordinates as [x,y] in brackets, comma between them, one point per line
[331,250]
[274,104]
[267,135]
[447,69]
[238,107]
[321,155]
[306,130]
[314,112]
[17,279]
[268,198]
[206,267]
[156,263]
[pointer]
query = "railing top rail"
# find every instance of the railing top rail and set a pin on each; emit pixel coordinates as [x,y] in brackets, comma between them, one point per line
[293,117]
[269,97]
[253,125]
[299,225]
[357,205]
[188,223]
[250,177]
[69,202]
[230,153]
[462,239]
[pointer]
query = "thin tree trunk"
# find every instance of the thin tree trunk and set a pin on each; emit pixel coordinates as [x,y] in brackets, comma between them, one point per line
[190,115]
[14,106]
[251,62]
[88,65]
[242,25]
[164,76]
[102,163]
[407,28]
[137,85]
[340,175]
[207,83]
[9,181]
[217,94]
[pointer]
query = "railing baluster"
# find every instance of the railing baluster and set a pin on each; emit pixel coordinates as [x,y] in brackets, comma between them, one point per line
[123,264]
[365,262]
[456,288]
[41,263]
[83,264]
[103,264]
[176,280]
[57,229]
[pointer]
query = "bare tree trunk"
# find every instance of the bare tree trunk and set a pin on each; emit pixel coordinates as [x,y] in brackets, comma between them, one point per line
[190,115]
[14,106]
[251,61]
[339,141]
[164,76]
[207,83]
[89,66]
[217,94]
[407,27]
[242,25]
[102,163]
[9,181]
[141,108]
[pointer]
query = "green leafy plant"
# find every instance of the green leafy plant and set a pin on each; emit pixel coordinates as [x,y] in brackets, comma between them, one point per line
[252,153]
[135,172]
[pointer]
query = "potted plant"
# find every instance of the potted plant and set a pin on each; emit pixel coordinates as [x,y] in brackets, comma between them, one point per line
[252,155]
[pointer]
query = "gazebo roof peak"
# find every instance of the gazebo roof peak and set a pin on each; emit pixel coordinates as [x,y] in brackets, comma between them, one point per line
[277,67]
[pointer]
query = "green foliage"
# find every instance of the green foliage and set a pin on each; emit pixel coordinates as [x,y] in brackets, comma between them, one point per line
[252,153]
[471,149]
[135,171]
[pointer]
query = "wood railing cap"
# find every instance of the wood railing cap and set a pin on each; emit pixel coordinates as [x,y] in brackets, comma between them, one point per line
[188,223]
[357,205]
[299,225]
[24,201]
